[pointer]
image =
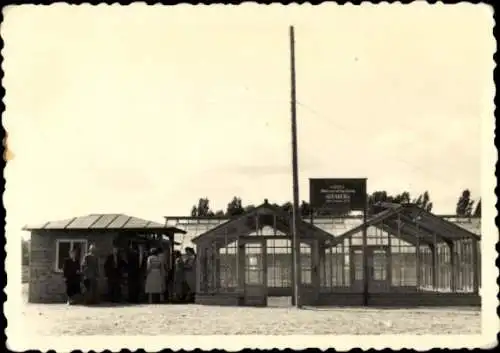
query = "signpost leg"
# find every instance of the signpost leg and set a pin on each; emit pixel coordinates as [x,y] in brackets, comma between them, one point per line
[365,260]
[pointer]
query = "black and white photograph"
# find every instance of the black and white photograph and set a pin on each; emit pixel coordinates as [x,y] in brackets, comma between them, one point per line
[249,176]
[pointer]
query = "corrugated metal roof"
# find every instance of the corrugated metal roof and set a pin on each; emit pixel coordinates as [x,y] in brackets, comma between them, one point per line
[104,220]
[98,221]
[118,222]
[61,224]
[136,223]
[84,222]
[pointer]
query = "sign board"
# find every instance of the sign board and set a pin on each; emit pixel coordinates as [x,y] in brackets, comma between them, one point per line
[337,194]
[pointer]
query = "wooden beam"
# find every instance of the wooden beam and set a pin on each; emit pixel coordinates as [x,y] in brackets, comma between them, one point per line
[403,232]
[476,266]
[343,264]
[417,260]
[389,258]
[447,229]
[453,270]
[434,251]
[241,261]
[426,231]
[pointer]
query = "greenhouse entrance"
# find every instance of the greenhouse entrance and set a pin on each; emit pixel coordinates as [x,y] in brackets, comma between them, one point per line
[378,265]
[268,269]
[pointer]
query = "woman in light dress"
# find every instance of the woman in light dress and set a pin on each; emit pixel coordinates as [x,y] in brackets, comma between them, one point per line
[155,279]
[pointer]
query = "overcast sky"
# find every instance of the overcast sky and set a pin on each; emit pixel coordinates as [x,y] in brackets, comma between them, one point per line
[143,110]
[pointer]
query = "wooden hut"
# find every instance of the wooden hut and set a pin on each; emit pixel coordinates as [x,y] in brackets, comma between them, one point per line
[52,241]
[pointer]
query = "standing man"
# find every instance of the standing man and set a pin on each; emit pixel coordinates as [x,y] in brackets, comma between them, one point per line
[142,253]
[179,280]
[190,273]
[90,269]
[71,272]
[134,274]
[165,259]
[113,268]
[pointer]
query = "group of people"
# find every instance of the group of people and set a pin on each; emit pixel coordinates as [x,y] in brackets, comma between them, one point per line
[155,274]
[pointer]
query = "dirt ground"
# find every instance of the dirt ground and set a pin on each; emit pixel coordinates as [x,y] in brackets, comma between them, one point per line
[60,319]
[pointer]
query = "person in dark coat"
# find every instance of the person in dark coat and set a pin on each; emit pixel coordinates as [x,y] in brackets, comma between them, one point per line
[134,274]
[143,257]
[71,273]
[166,258]
[113,269]
[190,274]
[179,277]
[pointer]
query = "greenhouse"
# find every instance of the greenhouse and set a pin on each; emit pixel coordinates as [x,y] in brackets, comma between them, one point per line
[411,257]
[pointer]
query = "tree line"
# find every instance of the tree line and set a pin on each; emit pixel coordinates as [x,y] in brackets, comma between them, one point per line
[465,207]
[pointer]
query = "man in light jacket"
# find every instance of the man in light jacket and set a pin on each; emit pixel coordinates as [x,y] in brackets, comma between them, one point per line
[90,270]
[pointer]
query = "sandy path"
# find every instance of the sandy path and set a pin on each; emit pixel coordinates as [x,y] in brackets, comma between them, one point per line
[58,319]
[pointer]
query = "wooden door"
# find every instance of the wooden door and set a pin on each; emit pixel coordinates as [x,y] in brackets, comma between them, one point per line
[378,269]
[253,271]
[377,258]
[310,276]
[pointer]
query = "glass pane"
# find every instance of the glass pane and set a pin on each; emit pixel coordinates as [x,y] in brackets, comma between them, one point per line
[79,246]
[279,262]
[306,276]
[379,263]
[254,264]
[63,253]
[305,263]
[254,276]
[357,262]
[228,276]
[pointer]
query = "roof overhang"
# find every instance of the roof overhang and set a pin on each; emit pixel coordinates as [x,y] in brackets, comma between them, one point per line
[283,219]
[410,222]
[147,230]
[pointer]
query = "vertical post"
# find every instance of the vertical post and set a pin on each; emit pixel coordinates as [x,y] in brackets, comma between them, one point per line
[400,260]
[200,269]
[226,262]
[295,217]
[343,263]
[352,265]
[417,260]
[366,271]
[171,264]
[292,250]
[475,266]
[389,258]
[453,270]
[241,263]
[216,272]
[434,263]
[263,274]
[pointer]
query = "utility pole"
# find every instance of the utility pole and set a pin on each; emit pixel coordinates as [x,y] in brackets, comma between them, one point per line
[296,214]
